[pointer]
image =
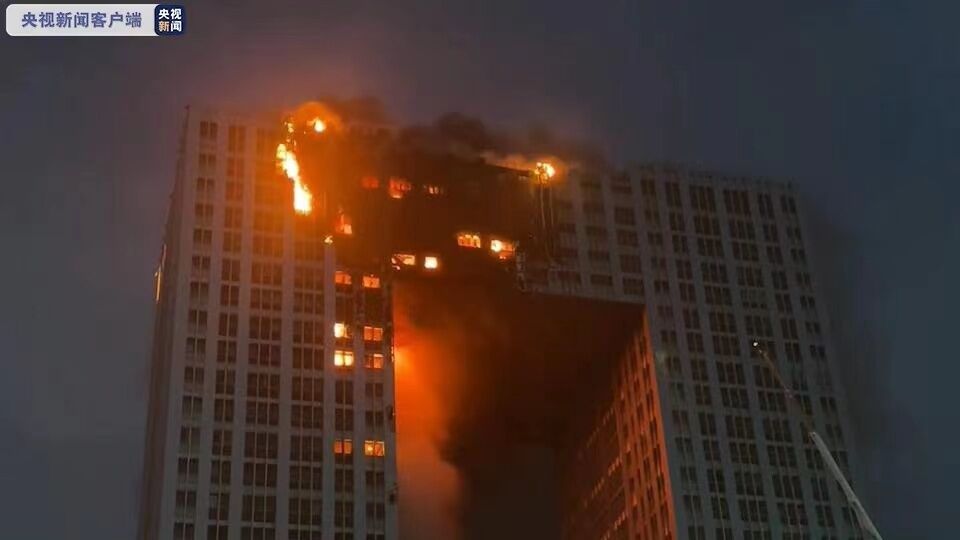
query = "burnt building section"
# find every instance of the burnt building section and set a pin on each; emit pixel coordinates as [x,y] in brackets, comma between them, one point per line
[386,200]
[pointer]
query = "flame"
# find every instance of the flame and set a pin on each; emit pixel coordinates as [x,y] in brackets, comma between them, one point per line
[316,116]
[431,262]
[503,249]
[302,198]
[544,170]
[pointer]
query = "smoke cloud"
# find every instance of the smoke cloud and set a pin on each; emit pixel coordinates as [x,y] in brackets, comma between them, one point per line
[487,385]
[463,135]
[888,442]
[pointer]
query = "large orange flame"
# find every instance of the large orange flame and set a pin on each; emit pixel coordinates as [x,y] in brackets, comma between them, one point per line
[302,198]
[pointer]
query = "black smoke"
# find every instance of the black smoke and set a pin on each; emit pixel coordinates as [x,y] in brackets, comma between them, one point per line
[886,440]
[514,372]
[463,135]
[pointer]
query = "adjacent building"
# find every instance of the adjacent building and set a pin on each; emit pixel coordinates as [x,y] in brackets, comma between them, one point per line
[271,398]
[693,438]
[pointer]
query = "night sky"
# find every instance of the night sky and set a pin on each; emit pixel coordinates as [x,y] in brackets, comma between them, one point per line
[854,101]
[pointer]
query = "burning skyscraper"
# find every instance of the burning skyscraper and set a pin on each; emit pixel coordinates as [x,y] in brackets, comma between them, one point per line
[272,404]
[602,318]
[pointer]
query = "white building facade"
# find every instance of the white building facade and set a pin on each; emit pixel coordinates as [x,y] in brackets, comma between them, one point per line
[718,262]
[271,409]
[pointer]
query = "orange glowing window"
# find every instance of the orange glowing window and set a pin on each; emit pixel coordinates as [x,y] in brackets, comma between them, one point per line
[404,259]
[399,187]
[374,448]
[431,263]
[431,189]
[369,182]
[344,225]
[342,358]
[371,281]
[504,249]
[343,446]
[372,333]
[342,278]
[341,330]
[470,240]
[373,361]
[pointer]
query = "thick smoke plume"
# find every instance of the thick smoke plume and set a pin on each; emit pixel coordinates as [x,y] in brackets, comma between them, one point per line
[487,384]
[888,442]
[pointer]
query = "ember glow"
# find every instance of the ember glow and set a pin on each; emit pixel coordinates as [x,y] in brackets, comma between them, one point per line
[426,387]
[544,171]
[504,249]
[287,160]
[318,124]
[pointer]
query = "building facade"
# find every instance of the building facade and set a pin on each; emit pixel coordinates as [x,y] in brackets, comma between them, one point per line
[271,407]
[697,440]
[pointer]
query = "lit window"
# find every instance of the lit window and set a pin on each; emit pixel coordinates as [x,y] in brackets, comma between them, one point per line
[432,189]
[373,361]
[404,259]
[372,333]
[470,240]
[370,182]
[342,278]
[371,282]
[343,446]
[344,226]
[341,330]
[504,249]
[374,448]
[431,263]
[399,187]
[343,358]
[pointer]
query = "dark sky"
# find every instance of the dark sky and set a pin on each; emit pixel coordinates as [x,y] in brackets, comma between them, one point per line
[854,100]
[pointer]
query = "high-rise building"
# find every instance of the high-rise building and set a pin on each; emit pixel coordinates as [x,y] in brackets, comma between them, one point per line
[693,438]
[271,411]
[271,398]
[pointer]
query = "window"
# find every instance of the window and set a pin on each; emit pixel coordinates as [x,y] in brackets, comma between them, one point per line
[633,286]
[504,249]
[371,282]
[404,259]
[623,216]
[343,446]
[343,358]
[626,238]
[470,240]
[602,280]
[631,264]
[373,361]
[372,333]
[374,448]
[398,187]
[208,131]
